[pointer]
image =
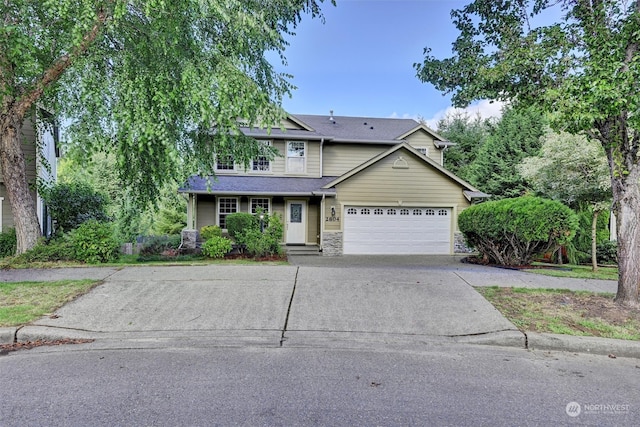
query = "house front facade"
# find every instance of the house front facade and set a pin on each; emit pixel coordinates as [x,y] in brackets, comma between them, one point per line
[346,185]
[40,136]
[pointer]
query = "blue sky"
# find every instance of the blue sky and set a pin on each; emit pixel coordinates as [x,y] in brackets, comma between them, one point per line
[360,61]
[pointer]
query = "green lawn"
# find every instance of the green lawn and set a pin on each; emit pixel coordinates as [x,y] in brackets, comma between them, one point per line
[561,311]
[24,302]
[577,271]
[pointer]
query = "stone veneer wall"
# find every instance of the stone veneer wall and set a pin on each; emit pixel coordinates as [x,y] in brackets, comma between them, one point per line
[332,243]
[190,238]
[460,245]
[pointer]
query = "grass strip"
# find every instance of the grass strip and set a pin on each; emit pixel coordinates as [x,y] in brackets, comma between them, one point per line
[561,311]
[24,302]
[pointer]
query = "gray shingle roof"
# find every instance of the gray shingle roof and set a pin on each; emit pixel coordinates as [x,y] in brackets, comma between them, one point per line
[358,128]
[250,185]
[343,129]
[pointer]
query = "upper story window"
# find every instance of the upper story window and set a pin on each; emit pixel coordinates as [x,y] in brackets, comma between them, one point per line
[261,163]
[225,163]
[296,156]
[423,150]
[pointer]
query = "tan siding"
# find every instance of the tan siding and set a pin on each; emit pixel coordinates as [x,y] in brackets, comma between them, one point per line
[278,164]
[339,159]
[418,185]
[290,124]
[423,139]
[313,218]
[206,211]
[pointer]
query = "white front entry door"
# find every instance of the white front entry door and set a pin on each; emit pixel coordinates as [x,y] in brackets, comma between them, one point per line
[296,224]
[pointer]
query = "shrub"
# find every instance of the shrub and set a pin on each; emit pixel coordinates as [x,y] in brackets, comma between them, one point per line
[156,245]
[209,231]
[58,249]
[8,243]
[72,204]
[513,231]
[238,222]
[216,247]
[261,244]
[607,252]
[95,242]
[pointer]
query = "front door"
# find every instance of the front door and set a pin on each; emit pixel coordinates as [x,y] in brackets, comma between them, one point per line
[296,224]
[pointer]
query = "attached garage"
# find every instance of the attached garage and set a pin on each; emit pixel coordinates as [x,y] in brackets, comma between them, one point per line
[380,230]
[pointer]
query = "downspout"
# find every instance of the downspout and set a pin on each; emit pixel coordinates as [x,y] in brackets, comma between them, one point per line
[321,152]
[323,195]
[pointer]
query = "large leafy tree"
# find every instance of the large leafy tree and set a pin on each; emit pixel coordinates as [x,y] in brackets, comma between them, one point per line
[583,67]
[573,170]
[146,79]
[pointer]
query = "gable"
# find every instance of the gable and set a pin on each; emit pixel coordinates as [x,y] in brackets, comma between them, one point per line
[402,177]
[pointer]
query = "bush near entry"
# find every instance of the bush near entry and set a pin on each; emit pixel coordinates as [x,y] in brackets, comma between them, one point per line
[513,231]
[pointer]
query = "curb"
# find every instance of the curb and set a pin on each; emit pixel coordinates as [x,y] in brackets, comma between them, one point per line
[8,335]
[45,333]
[588,345]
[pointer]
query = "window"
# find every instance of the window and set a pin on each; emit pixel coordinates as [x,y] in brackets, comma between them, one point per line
[417,211]
[261,163]
[352,211]
[423,150]
[378,212]
[225,163]
[391,211]
[404,211]
[442,212]
[429,212]
[296,156]
[259,203]
[364,211]
[226,206]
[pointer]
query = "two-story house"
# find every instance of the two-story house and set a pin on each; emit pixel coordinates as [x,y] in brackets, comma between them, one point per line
[40,136]
[346,185]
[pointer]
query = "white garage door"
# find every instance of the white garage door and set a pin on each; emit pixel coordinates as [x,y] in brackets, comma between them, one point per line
[383,230]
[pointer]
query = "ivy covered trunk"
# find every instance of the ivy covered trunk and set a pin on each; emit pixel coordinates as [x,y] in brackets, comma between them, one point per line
[626,196]
[14,177]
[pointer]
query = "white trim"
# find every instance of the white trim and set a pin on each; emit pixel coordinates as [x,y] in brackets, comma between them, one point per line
[304,158]
[235,167]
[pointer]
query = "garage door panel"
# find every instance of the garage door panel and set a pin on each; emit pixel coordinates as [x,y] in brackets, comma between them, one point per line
[384,230]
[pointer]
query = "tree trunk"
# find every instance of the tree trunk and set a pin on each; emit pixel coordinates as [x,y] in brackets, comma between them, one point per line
[594,243]
[14,177]
[626,196]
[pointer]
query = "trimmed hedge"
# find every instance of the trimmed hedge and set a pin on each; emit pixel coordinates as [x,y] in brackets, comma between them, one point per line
[238,222]
[513,231]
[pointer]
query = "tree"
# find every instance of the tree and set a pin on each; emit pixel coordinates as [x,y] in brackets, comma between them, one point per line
[146,79]
[573,170]
[583,69]
[514,137]
[469,134]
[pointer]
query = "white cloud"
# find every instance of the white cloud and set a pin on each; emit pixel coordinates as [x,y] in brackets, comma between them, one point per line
[484,108]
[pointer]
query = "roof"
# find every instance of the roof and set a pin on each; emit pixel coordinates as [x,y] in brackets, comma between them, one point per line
[346,129]
[257,185]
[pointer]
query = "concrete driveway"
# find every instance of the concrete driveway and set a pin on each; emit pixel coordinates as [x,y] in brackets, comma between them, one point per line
[315,301]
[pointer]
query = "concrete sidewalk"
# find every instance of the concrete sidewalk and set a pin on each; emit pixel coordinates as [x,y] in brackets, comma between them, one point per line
[349,301]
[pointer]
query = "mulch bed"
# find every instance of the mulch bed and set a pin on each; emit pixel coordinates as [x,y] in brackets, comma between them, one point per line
[27,345]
